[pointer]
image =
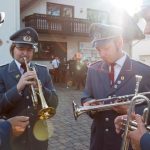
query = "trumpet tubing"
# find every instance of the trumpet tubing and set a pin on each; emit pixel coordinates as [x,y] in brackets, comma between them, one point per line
[129,123]
[46,111]
[79,110]
[133,125]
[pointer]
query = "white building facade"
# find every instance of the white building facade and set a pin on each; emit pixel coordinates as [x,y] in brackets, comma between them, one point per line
[11,24]
[62,26]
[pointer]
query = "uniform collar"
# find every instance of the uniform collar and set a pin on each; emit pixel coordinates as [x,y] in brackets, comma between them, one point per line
[120,62]
[19,64]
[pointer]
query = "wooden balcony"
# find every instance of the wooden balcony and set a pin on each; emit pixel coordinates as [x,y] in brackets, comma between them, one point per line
[58,25]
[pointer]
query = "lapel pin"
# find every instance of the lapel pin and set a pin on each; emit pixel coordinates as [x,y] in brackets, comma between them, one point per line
[115,86]
[17,76]
[122,77]
[119,82]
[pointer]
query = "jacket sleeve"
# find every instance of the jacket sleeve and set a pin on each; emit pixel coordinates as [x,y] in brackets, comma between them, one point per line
[145,142]
[8,97]
[87,92]
[5,135]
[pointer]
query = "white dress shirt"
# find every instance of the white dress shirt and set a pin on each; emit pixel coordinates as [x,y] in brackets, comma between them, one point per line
[19,66]
[118,65]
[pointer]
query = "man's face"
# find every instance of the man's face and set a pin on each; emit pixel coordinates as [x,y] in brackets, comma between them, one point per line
[20,52]
[109,51]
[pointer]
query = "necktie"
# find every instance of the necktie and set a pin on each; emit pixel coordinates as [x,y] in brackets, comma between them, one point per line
[23,66]
[111,73]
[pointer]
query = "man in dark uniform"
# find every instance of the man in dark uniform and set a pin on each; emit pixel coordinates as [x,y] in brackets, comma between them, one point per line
[15,88]
[113,76]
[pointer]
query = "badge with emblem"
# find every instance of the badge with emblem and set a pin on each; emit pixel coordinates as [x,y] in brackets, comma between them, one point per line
[119,82]
[115,86]
[122,77]
[98,36]
[27,38]
[17,76]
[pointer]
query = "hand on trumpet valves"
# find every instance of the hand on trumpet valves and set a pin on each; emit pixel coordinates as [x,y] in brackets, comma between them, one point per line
[136,135]
[92,102]
[28,78]
[122,109]
[120,122]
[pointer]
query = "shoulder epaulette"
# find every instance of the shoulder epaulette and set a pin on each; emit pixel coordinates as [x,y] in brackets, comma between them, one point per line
[142,63]
[40,65]
[2,65]
[95,62]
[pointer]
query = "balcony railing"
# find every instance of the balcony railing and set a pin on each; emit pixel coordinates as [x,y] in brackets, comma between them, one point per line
[58,25]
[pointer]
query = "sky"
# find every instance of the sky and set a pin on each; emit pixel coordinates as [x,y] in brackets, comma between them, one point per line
[131,6]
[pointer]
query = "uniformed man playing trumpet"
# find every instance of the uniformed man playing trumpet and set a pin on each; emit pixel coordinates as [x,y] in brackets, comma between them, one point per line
[16,93]
[113,76]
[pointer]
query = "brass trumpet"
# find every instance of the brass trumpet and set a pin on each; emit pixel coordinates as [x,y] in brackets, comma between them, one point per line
[117,101]
[131,125]
[107,103]
[37,94]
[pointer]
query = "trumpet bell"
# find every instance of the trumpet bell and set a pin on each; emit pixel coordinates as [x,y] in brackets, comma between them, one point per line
[46,113]
[75,110]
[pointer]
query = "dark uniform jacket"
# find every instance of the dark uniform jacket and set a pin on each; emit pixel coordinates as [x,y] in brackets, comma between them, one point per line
[145,142]
[103,135]
[13,103]
[5,135]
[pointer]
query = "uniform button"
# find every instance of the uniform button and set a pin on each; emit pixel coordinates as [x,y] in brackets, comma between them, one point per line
[29,126]
[106,119]
[28,107]
[106,130]
[24,141]
[27,97]
[115,86]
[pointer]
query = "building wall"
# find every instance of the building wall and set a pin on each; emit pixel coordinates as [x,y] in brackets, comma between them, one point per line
[74,44]
[11,24]
[141,50]
[39,6]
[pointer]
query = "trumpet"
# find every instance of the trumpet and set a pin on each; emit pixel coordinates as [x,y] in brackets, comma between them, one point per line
[129,124]
[107,103]
[37,94]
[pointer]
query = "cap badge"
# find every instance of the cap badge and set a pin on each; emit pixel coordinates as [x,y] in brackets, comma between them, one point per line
[17,76]
[98,35]
[27,38]
[122,77]
[119,82]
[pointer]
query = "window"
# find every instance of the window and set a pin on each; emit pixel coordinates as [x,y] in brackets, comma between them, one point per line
[67,12]
[97,16]
[60,10]
[53,10]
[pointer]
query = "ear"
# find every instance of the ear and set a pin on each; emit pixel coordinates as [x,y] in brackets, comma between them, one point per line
[119,42]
